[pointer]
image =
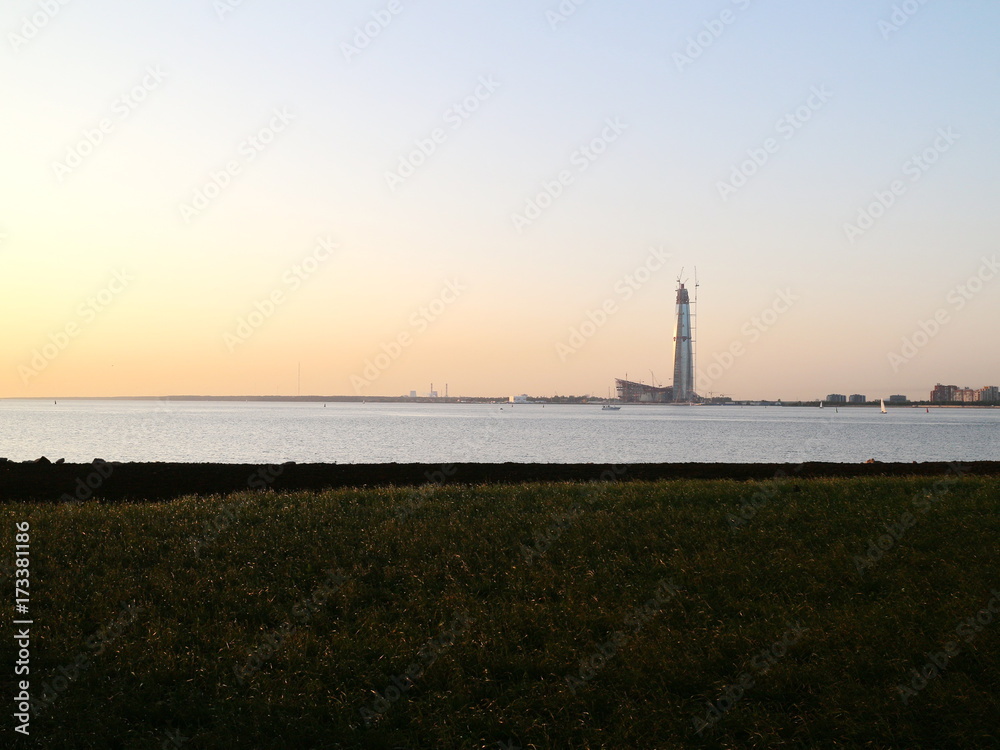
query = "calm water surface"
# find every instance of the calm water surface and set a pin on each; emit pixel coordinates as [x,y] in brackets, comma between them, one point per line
[273,432]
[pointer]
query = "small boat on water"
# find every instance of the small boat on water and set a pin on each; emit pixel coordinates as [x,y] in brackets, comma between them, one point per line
[881,403]
[608,406]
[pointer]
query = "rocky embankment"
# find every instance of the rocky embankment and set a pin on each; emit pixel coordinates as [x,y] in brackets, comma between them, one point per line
[45,481]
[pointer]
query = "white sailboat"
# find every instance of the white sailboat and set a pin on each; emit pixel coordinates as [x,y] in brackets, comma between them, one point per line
[881,403]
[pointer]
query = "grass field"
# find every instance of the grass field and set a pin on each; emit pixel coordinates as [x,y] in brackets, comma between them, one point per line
[711,614]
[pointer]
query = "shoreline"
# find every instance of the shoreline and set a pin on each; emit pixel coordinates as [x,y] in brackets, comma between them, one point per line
[586,400]
[115,481]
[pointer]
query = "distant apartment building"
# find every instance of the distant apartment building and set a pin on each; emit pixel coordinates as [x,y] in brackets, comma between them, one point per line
[943,394]
[946,394]
[898,399]
[856,398]
[836,398]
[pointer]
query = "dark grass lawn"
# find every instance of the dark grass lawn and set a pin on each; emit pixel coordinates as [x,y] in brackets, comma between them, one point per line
[626,615]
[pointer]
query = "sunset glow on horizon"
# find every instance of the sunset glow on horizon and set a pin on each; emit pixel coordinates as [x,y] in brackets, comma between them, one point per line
[206,198]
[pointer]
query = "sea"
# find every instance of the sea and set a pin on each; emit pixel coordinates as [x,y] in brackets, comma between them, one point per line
[259,432]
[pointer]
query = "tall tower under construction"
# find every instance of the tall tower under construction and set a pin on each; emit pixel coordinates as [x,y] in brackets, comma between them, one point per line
[682,390]
[683,357]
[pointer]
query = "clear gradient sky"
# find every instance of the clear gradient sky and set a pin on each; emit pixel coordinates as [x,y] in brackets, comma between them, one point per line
[169,170]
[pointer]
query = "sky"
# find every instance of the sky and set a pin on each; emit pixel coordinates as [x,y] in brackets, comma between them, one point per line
[213,196]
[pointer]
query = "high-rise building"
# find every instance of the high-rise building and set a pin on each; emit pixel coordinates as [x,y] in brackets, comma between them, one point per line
[682,390]
[856,398]
[683,351]
[943,393]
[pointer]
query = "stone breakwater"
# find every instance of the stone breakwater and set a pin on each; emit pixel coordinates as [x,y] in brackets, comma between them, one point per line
[112,481]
